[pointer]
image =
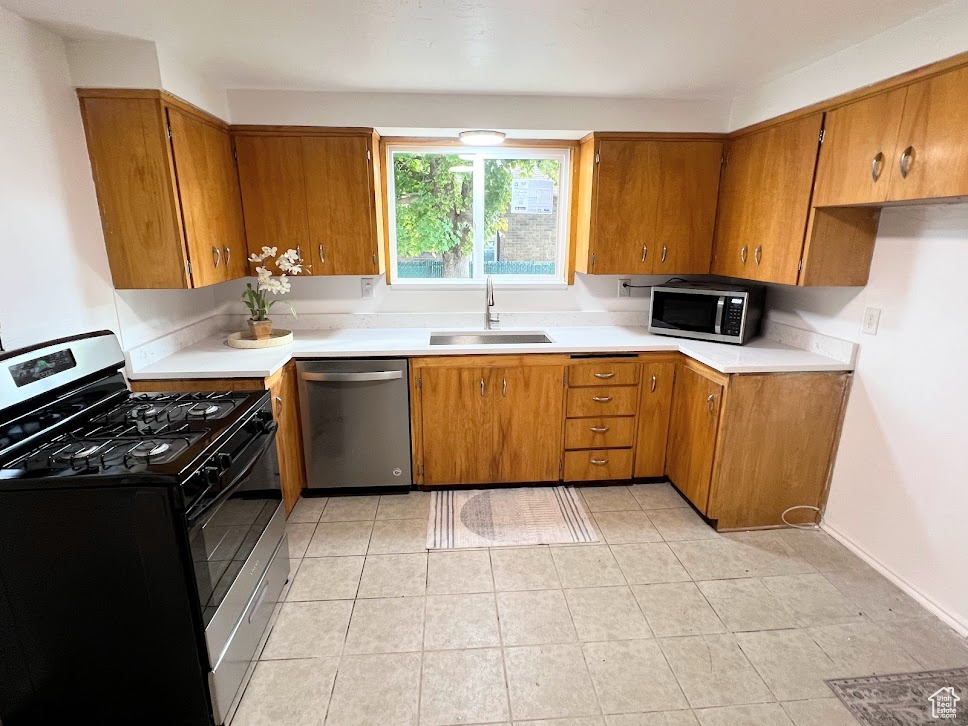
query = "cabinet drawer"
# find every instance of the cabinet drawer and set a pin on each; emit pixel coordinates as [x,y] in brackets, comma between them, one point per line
[602,401]
[600,432]
[603,373]
[598,464]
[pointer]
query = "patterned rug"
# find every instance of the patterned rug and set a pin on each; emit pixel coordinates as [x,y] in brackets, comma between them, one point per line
[906,699]
[507,517]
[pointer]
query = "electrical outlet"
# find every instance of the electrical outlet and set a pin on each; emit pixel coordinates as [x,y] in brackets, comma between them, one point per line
[872,317]
[623,287]
[366,287]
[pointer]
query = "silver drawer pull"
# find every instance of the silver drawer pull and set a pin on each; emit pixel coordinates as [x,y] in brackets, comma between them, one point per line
[598,462]
[352,377]
[653,384]
[604,375]
[599,429]
[602,399]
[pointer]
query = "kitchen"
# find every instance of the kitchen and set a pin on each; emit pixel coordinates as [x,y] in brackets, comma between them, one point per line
[828,176]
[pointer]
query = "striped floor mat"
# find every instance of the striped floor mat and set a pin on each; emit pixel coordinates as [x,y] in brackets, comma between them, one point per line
[508,517]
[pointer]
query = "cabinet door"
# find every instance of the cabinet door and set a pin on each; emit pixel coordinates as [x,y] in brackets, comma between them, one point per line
[765,201]
[212,218]
[626,194]
[686,209]
[341,203]
[655,404]
[526,403]
[693,426]
[285,408]
[932,143]
[458,436]
[856,157]
[274,194]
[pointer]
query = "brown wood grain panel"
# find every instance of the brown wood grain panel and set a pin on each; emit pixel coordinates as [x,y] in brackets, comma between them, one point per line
[585,214]
[128,145]
[602,401]
[598,465]
[655,405]
[840,246]
[776,443]
[605,372]
[600,432]
[526,403]
[855,164]
[289,443]
[693,428]
[340,200]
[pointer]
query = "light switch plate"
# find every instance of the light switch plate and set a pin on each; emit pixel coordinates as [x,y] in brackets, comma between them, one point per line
[872,318]
[366,287]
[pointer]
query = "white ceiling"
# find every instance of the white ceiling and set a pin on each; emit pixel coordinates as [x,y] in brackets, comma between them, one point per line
[623,48]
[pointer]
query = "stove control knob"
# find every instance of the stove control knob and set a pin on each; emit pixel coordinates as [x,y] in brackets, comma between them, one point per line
[223,461]
[211,474]
[263,421]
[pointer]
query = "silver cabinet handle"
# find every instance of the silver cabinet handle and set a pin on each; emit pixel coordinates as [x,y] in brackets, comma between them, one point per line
[742,253]
[599,429]
[665,250]
[709,402]
[602,399]
[218,255]
[758,254]
[645,252]
[374,258]
[228,255]
[598,462]
[653,384]
[482,387]
[604,375]
[504,387]
[877,165]
[907,158]
[335,377]
[278,400]
[322,258]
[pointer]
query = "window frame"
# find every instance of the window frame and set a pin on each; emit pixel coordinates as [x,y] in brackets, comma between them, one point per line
[562,151]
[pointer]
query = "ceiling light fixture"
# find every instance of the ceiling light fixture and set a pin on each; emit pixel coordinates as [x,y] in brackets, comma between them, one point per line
[482,137]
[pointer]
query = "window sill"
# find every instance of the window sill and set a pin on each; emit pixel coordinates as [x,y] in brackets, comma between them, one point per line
[456,285]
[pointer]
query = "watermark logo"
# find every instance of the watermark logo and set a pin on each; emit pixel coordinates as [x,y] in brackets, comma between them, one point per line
[944,703]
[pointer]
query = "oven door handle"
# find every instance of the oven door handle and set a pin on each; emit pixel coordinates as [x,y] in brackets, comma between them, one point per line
[201,506]
[720,312]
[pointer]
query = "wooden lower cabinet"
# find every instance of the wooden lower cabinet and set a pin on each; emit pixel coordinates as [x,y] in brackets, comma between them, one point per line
[282,387]
[744,448]
[598,464]
[487,419]
[655,405]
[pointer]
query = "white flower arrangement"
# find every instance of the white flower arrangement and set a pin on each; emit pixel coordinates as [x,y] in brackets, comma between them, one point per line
[256,299]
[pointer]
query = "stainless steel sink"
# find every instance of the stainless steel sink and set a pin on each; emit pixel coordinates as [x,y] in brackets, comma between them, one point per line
[488,337]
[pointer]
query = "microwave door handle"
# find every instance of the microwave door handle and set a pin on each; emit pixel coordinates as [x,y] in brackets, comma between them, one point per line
[720,311]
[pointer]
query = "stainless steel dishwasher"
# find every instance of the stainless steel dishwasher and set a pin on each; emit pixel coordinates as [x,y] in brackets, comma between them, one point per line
[355,423]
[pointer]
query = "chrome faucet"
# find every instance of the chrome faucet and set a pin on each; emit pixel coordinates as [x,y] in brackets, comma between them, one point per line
[491,320]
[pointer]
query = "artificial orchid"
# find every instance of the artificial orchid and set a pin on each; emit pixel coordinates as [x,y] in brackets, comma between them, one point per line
[256,299]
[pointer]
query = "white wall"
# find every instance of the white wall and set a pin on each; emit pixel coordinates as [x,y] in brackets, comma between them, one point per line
[55,280]
[899,486]
[115,63]
[396,113]
[931,37]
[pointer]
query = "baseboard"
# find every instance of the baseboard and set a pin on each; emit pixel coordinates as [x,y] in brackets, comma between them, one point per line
[960,626]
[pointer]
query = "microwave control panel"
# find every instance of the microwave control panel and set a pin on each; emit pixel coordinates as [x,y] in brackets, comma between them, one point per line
[733,315]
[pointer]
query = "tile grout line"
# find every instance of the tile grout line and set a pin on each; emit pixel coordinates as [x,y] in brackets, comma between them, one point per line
[500,636]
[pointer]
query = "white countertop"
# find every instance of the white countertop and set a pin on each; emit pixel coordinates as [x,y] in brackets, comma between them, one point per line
[213,358]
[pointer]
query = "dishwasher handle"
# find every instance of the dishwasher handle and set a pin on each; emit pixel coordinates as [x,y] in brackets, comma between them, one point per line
[335,377]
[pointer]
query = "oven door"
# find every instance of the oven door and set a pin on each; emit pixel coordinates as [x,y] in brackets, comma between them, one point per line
[688,314]
[241,563]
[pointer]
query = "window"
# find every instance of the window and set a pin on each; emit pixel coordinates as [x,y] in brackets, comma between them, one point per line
[458,214]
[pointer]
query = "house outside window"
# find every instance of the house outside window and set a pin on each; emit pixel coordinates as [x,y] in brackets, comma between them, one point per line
[459,214]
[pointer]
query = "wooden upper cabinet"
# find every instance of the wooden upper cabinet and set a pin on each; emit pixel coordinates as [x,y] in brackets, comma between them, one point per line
[528,412]
[857,156]
[693,428]
[765,201]
[315,190]
[931,157]
[273,193]
[646,205]
[208,189]
[167,189]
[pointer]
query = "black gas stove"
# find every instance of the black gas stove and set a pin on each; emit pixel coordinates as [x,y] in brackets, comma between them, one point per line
[142,541]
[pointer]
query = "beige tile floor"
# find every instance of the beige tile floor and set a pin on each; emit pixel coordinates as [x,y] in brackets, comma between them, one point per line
[663,623]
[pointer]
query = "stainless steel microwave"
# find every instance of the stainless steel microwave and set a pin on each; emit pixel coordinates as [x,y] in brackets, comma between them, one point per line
[706,311]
